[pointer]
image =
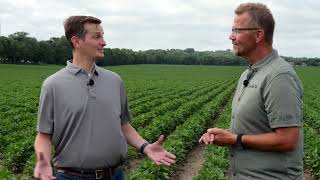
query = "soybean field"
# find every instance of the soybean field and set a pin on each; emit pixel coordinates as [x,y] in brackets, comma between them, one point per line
[178,101]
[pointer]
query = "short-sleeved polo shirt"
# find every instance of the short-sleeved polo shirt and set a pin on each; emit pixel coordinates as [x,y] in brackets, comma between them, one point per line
[272,99]
[84,118]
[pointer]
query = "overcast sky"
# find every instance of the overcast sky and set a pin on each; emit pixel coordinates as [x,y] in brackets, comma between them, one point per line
[166,24]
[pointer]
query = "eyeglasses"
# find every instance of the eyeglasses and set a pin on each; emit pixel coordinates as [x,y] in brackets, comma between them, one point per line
[238,30]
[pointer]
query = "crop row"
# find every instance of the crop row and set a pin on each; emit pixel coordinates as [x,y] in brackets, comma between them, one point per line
[171,104]
[312,139]
[157,99]
[312,117]
[143,90]
[152,95]
[312,150]
[167,123]
[183,138]
[216,163]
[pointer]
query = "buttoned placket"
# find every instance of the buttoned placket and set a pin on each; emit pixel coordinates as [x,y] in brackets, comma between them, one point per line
[233,164]
[91,88]
[250,75]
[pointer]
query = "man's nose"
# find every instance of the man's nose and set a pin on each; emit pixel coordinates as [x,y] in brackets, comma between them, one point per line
[103,43]
[232,36]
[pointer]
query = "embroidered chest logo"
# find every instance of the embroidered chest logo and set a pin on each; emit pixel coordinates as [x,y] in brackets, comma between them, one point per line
[252,86]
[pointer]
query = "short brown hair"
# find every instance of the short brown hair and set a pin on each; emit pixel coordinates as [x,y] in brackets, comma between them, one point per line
[74,26]
[261,16]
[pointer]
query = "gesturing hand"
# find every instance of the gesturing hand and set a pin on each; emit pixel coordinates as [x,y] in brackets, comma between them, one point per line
[222,137]
[158,154]
[206,139]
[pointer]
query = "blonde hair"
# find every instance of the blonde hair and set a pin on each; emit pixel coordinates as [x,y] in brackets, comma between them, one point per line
[261,17]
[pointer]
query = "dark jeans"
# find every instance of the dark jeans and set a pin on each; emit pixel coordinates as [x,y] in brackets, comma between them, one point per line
[119,175]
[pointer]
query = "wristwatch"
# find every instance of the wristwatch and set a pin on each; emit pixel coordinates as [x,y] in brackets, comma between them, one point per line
[239,141]
[143,146]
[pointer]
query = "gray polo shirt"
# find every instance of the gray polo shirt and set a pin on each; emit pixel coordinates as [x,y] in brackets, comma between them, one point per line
[272,99]
[85,121]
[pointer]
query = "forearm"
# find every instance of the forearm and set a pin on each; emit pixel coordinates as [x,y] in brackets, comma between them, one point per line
[132,136]
[42,146]
[282,140]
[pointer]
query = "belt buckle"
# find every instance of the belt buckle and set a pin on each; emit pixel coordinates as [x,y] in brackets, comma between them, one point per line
[99,173]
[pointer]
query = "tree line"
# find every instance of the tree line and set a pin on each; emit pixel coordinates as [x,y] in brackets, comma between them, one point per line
[19,48]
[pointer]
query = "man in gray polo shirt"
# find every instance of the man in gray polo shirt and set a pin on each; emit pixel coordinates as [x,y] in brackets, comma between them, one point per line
[83,113]
[266,133]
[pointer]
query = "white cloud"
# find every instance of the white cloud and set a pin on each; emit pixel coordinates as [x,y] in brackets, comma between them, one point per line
[143,24]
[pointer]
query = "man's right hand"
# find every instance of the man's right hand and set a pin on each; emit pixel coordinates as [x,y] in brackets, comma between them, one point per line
[43,169]
[206,139]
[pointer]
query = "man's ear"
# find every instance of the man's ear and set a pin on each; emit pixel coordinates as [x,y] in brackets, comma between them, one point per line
[75,41]
[260,35]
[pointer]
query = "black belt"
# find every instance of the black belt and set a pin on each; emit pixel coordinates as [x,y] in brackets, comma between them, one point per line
[98,173]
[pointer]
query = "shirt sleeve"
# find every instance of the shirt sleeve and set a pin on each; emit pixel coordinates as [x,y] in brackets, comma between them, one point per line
[45,111]
[283,102]
[125,113]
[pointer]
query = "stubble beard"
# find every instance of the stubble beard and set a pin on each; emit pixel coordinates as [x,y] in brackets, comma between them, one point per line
[236,51]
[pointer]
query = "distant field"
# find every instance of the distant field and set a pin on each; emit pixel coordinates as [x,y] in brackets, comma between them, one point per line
[176,100]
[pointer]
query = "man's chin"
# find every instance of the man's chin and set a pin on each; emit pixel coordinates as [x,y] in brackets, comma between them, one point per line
[101,56]
[236,52]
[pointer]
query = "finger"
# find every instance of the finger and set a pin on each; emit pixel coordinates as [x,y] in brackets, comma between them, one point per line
[157,162]
[211,138]
[207,139]
[169,155]
[164,162]
[211,130]
[46,177]
[214,131]
[42,176]
[169,160]
[200,141]
[36,174]
[160,140]
[52,177]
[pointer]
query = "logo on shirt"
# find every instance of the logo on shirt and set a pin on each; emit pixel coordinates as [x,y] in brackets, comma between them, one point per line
[252,86]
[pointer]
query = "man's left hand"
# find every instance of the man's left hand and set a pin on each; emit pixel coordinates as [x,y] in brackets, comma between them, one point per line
[158,154]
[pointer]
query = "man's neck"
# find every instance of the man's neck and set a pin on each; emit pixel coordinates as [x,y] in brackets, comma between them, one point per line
[259,54]
[85,63]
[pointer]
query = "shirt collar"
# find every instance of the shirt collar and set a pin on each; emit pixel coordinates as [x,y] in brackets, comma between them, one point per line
[74,69]
[271,56]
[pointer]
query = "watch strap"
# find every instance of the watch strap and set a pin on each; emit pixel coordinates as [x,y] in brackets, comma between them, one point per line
[239,140]
[143,146]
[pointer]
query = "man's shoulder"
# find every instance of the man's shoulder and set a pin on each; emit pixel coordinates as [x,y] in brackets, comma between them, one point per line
[279,66]
[55,78]
[109,74]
